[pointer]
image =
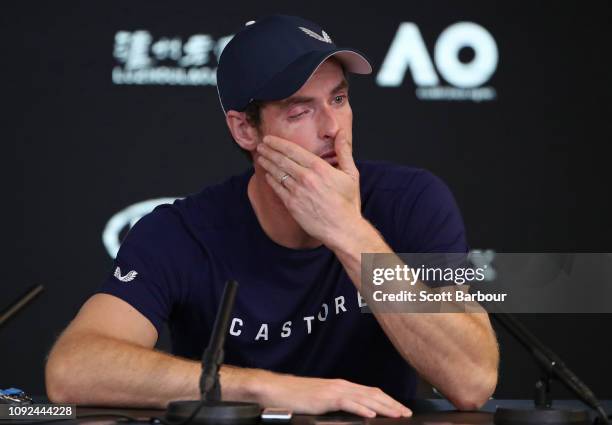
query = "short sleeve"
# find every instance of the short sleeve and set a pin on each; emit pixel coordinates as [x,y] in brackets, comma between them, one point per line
[429,218]
[142,273]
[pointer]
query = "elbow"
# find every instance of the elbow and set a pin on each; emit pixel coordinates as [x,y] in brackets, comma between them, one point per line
[477,389]
[476,394]
[57,378]
[469,402]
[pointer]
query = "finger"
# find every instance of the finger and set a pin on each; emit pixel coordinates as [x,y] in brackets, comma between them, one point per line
[288,183]
[295,152]
[380,407]
[280,161]
[271,168]
[386,400]
[344,151]
[279,189]
[351,406]
[391,403]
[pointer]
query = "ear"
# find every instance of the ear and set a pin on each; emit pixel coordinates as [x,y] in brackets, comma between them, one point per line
[242,131]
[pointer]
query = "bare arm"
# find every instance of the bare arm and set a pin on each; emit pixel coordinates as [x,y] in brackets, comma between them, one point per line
[455,352]
[105,357]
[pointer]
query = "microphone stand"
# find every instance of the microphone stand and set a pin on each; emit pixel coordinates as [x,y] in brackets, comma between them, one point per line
[14,308]
[210,409]
[552,367]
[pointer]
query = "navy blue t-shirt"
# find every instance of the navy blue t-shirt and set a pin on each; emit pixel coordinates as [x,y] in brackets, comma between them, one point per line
[296,311]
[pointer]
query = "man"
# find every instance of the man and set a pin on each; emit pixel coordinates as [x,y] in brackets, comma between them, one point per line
[291,231]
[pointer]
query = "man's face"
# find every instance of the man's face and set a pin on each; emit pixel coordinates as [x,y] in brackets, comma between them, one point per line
[312,116]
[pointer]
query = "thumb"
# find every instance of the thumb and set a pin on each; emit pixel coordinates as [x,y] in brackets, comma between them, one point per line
[344,151]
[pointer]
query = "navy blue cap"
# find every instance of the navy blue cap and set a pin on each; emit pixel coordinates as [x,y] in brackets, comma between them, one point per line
[272,58]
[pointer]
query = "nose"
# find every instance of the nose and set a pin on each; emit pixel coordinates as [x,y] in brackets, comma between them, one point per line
[328,124]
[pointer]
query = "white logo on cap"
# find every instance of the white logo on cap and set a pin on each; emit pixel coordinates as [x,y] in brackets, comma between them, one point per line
[323,37]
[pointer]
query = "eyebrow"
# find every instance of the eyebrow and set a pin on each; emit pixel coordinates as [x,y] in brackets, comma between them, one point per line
[293,100]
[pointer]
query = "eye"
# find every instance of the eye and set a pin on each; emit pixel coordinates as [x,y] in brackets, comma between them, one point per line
[339,99]
[298,115]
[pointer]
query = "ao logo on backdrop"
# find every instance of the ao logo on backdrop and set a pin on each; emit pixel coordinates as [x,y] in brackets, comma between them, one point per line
[409,53]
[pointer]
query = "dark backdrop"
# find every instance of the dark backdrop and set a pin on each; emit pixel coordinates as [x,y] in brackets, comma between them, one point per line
[529,168]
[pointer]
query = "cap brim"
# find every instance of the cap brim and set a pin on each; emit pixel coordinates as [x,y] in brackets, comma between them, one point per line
[352,60]
[294,76]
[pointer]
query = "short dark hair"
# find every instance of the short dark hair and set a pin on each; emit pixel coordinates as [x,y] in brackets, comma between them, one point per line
[253,113]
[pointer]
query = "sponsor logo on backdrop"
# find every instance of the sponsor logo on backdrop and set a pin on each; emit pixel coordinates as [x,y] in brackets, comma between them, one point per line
[465,78]
[144,59]
[120,223]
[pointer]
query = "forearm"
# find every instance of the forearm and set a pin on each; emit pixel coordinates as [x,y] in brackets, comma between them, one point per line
[89,369]
[455,352]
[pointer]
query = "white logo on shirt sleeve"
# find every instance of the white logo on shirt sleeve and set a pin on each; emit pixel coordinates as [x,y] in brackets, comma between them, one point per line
[129,276]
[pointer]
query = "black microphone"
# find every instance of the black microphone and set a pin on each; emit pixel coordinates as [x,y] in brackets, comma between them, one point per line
[210,409]
[15,307]
[213,354]
[553,367]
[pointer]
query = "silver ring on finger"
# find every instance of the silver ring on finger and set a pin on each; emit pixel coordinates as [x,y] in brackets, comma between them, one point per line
[283,178]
